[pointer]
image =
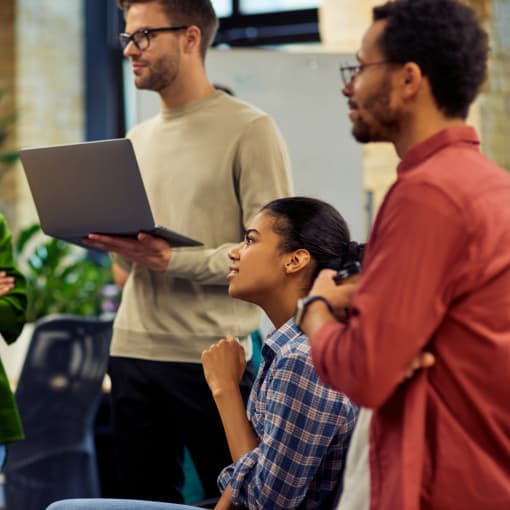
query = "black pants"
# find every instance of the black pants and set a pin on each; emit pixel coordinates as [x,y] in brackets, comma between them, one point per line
[157,409]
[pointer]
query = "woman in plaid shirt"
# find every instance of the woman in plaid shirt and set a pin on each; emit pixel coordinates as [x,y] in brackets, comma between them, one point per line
[289,447]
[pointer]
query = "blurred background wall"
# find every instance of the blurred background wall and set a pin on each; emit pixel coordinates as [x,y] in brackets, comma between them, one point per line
[47,76]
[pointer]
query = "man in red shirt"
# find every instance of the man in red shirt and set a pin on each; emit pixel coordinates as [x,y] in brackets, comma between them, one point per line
[436,271]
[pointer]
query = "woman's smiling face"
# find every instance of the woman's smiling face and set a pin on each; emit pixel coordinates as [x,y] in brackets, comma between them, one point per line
[258,264]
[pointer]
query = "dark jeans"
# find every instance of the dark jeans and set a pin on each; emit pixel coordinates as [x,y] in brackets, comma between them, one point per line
[158,408]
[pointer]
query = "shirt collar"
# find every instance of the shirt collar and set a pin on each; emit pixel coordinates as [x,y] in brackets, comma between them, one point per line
[279,337]
[425,149]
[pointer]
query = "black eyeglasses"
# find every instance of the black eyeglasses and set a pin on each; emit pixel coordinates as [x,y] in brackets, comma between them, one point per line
[142,38]
[349,72]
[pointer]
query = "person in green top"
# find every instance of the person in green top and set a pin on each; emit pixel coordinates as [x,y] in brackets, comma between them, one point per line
[13,304]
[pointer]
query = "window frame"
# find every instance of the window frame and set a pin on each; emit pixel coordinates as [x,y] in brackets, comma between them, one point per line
[271,28]
[104,101]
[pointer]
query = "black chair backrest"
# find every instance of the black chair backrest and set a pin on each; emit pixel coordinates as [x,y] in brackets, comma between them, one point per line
[60,382]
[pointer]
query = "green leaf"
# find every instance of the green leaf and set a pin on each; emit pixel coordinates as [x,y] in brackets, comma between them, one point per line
[60,277]
[25,236]
[8,158]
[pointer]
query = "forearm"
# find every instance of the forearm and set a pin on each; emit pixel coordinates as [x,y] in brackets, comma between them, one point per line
[121,262]
[119,275]
[225,502]
[240,436]
[317,314]
[413,269]
[206,266]
[343,362]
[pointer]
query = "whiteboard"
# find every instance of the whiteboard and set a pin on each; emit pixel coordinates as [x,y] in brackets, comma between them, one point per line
[302,92]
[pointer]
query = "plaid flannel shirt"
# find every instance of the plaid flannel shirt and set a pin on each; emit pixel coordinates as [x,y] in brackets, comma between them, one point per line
[303,427]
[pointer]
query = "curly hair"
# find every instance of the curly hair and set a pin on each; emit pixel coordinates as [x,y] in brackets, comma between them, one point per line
[316,226]
[186,12]
[444,38]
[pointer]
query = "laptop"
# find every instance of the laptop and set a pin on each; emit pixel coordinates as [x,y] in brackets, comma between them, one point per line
[92,187]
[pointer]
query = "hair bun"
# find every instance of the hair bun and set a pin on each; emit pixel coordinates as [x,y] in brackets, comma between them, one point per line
[355,251]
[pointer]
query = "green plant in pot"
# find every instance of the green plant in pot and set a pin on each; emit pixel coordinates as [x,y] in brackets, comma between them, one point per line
[62,278]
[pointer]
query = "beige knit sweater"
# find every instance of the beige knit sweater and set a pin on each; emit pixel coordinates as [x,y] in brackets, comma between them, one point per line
[208,168]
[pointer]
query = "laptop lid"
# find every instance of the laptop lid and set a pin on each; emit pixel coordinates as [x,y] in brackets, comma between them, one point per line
[91,187]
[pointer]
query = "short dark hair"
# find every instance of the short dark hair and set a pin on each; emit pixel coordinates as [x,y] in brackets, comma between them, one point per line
[444,38]
[186,12]
[316,226]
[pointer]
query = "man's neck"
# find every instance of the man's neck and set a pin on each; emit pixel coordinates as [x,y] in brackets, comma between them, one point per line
[188,87]
[421,128]
[180,98]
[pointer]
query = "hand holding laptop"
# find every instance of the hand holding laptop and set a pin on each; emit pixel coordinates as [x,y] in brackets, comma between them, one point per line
[97,187]
[152,252]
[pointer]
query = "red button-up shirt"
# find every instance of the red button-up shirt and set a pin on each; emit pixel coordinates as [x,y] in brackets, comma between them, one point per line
[436,278]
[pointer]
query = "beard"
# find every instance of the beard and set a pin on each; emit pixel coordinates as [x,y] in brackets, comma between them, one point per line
[381,122]
[159,75]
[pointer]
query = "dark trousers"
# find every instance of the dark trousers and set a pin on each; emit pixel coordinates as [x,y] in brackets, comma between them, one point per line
[158,408]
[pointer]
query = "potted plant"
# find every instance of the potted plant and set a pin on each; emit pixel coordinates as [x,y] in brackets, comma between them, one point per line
[62,278]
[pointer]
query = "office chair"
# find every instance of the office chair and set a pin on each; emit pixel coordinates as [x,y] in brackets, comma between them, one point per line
[58,394]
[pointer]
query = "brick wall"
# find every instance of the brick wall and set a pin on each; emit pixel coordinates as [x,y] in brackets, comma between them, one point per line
[343,23]
[8,178]
[49,80]
[41,68]
[495,103]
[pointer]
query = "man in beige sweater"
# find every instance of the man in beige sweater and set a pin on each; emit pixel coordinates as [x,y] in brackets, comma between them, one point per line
[209,162]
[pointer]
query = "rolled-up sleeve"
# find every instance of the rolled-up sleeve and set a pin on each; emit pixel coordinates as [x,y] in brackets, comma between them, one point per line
[411,272]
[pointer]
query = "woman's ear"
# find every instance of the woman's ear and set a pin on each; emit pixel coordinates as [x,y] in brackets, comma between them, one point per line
[297,261]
